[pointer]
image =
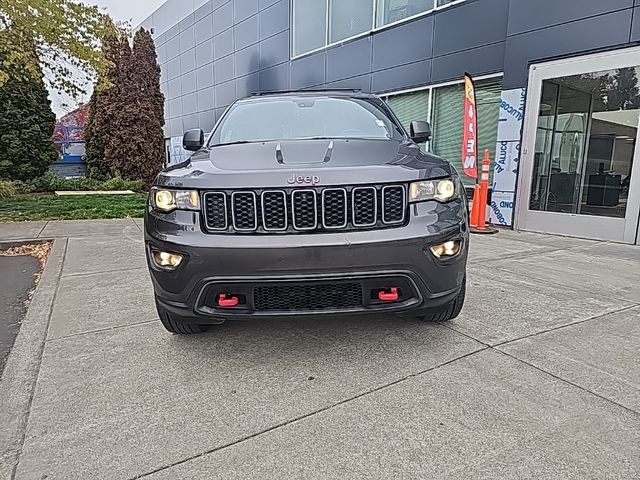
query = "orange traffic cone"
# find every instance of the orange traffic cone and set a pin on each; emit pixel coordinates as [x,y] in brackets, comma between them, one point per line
[478,220]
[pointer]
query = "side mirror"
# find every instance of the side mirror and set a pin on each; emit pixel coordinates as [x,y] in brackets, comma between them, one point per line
[193,140]
[420,131]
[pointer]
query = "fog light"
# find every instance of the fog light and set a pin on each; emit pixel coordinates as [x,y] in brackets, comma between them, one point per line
[167,260]
[446,249]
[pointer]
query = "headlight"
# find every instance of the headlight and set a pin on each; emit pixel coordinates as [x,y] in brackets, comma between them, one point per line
[168,200]
[443,190]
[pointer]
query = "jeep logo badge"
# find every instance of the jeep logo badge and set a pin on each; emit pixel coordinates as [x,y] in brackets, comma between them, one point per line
[303,179]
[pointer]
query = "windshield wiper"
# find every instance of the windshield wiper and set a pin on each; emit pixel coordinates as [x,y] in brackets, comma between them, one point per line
[239,142]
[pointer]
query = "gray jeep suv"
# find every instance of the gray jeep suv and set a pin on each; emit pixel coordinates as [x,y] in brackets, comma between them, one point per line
[306,203]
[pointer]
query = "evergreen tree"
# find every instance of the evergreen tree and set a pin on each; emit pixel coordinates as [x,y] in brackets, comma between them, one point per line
[146,135]
[26,120]
[624,93]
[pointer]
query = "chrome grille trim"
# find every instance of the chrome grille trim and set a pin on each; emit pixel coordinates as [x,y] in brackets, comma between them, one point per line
[255,211]
[226,212]
[286,212]
[315,209]
[346,208]
[353,207]
[404,204]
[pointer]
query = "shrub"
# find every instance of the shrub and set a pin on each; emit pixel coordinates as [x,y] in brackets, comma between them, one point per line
[9,188]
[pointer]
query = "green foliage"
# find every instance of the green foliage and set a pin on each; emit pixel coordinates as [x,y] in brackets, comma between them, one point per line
[10,188]
[66,35]
[48,207]
[50,182]
[26,124]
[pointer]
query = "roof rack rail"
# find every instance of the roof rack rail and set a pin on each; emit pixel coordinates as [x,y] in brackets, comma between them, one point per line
[306,90]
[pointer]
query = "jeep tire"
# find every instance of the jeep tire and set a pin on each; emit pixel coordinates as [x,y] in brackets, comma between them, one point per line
[178,326]
[447,312]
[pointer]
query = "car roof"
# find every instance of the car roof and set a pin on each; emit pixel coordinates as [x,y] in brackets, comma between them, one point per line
[350,93]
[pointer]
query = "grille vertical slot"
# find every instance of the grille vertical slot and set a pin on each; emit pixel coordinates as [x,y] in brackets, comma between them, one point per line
[304,207]
[216,214]
[364,206]
[334,208]
[393,204]
[245,211]
[274,210]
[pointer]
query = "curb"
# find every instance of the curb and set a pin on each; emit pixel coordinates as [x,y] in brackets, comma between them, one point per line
[18,381]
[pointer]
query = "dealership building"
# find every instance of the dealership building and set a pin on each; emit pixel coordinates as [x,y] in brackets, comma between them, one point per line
[558,89]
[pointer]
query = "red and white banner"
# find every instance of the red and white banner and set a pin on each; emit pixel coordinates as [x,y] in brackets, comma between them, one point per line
[470,135]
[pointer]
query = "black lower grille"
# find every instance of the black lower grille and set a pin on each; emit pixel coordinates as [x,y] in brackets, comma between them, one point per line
[316,296]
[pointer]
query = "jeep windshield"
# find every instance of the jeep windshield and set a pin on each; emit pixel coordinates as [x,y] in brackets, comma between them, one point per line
[304,118]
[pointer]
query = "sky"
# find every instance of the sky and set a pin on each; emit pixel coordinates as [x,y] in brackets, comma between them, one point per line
[132,11]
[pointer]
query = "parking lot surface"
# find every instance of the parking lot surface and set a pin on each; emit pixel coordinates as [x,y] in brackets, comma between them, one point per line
[539,377]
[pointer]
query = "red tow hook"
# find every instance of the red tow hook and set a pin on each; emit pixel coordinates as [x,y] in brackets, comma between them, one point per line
[227,301]
[391,296]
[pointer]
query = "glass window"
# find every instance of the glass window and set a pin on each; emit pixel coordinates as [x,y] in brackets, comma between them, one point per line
[585,143]
[349,18]
[299,118]
[390,11]
[448,119]
[309,25]
[440,3]
[410,106]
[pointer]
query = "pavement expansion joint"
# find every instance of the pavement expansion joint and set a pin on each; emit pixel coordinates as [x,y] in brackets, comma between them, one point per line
[308,415]
[101,330]
[496,349]
[97,272]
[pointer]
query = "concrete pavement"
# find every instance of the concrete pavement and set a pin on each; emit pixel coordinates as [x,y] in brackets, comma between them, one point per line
[538,378]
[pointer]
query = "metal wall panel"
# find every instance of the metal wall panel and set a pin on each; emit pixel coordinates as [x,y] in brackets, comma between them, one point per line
[407,43]
[470,25]
[404,76]
[247,60]
[274,19]
[275,78]
[245,33]
[188,61]
[274,50]
[635,27]
[361,82]
[204,76]
[206,99]
[187,39]
[223,44]
[308,71]
[243,9]
[247,85]
[571,38]
[225,93]
[188,82]
[527,15]
[223,70]
[204,29]
[223,18]
[189,104]
[349,59]
[477,61]
[204,52]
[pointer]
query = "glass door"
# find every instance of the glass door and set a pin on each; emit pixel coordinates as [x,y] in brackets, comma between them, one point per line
[580,144]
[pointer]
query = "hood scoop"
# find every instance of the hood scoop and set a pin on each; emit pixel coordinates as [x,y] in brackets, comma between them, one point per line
[304,154]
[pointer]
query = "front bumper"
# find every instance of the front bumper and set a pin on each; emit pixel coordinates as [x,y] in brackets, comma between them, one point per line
[371,259]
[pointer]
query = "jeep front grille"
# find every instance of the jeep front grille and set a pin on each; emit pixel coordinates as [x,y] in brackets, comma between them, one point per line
[305,210]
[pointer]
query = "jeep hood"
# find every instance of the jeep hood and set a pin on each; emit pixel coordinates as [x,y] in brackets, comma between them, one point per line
[331,162]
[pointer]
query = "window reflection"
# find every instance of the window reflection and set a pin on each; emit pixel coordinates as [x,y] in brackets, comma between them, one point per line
[585,143]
